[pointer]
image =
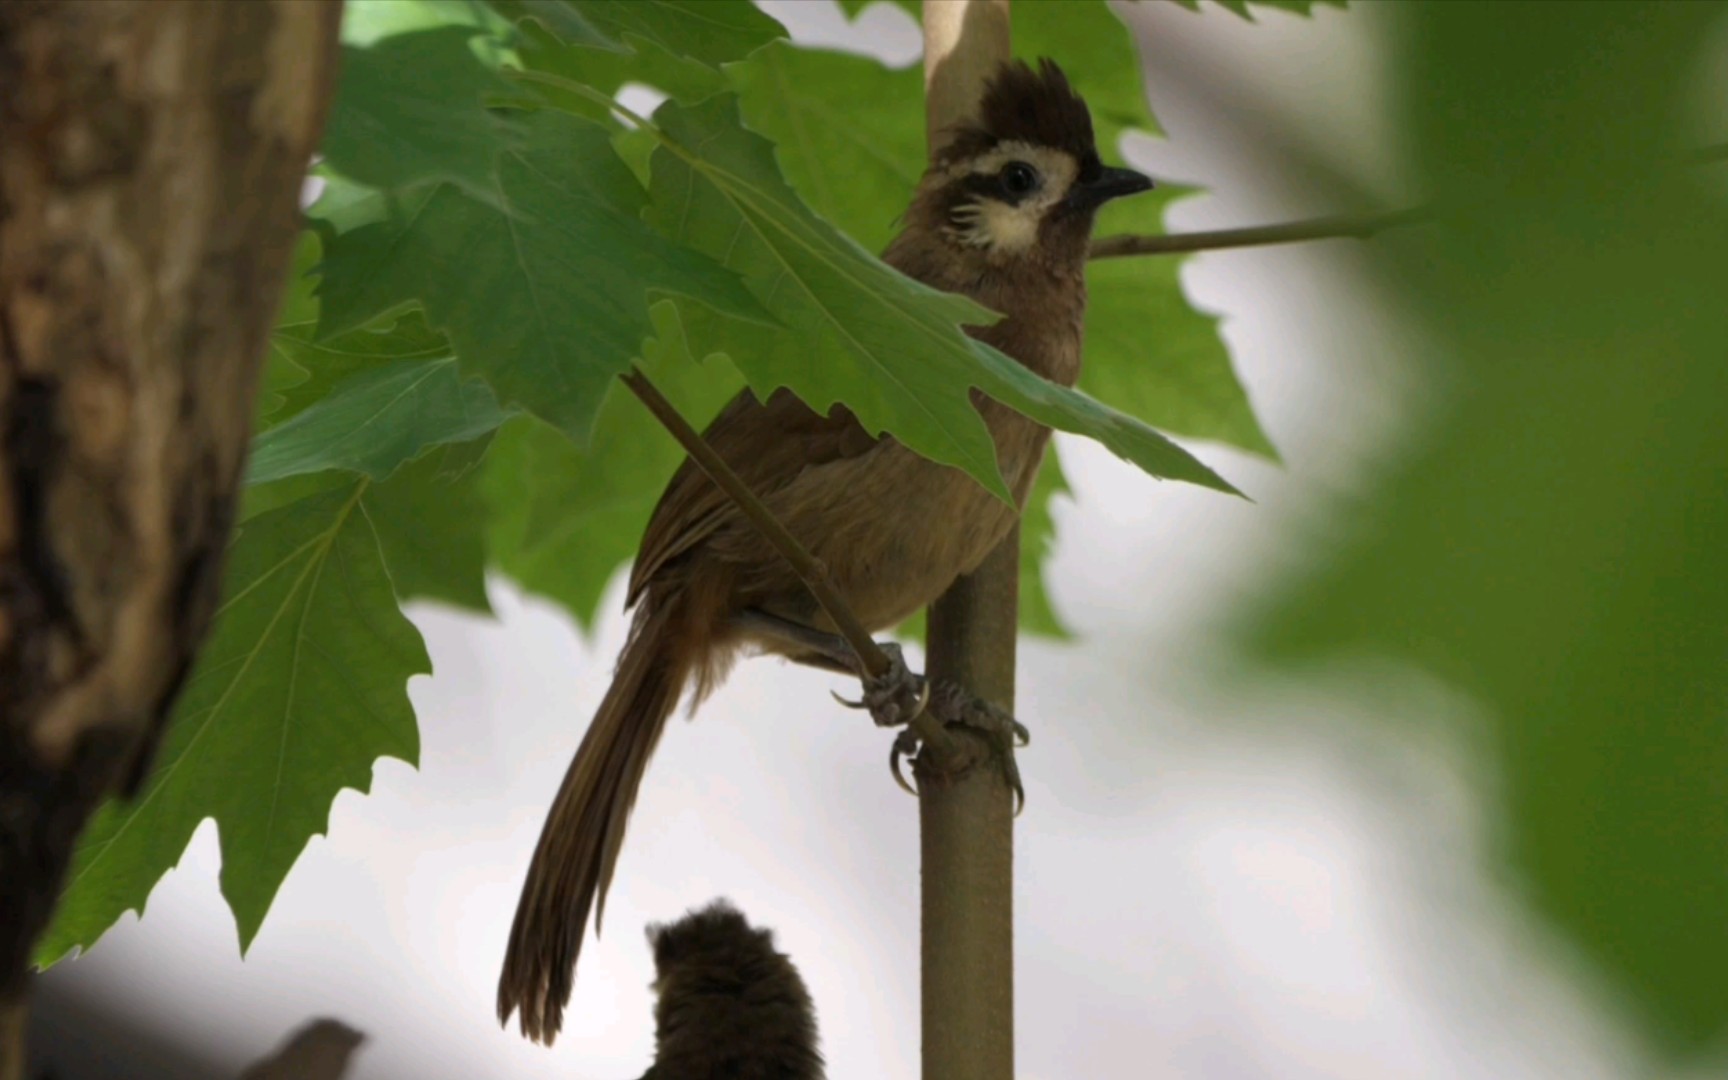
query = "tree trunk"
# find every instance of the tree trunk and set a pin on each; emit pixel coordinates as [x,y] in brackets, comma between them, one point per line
[151,157]
[966,819]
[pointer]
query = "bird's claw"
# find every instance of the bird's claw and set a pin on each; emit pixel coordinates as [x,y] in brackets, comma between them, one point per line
[905,746]
[896,696]
[954,705]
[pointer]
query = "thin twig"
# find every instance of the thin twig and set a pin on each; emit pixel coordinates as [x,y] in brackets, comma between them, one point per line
[1330,227]
[808,568]
[1359,227]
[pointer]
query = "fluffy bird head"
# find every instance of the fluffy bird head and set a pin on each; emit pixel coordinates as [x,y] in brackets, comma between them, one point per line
[730,1005]
[1023,180]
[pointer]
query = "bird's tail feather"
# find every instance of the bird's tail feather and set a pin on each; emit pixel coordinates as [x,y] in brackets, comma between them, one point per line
[579,844]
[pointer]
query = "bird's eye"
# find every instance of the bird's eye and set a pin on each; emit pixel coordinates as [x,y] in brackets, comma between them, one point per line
[1018,178]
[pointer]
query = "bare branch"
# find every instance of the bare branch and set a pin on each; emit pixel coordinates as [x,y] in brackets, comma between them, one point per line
[1330,227]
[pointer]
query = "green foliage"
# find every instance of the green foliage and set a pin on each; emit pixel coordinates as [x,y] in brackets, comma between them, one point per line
[1150,352]
[710,31]
[850,132]
[491,249]
[410,109]
[1556,540]
[375,420]
[301,686]
[566,518]
[570,271]
[430,517]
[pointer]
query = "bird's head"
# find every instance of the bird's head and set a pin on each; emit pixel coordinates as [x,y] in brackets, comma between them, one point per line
[1023,180]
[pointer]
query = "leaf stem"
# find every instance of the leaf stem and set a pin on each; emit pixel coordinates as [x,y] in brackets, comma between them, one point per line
[809,569]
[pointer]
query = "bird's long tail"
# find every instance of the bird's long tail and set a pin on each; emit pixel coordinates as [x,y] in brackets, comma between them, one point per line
[584,830]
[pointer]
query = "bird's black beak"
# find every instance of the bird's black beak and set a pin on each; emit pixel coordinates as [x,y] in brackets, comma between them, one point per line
[1108,184]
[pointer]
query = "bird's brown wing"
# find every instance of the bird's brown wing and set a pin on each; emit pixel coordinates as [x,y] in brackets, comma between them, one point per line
[767,444]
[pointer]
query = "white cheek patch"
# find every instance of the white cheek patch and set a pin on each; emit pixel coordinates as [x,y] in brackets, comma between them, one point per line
[1010,229]
[1004,229]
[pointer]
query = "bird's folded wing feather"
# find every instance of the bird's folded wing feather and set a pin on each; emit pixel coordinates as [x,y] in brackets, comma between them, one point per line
[768,445]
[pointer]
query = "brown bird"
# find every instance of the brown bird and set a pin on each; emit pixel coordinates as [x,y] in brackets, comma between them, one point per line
[729,1005]
[1004,215]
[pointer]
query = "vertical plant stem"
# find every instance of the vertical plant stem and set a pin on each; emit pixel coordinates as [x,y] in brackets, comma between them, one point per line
[965,817]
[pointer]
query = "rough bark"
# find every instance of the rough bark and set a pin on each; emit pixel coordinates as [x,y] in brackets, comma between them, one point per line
[966,818]
[151,156]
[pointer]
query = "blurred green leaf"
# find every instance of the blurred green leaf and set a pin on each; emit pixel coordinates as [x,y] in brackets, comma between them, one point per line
[547,301]
[366,22]
[1555,539]
[300,688]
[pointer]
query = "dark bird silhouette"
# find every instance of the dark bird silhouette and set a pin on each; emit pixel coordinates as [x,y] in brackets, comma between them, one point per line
[730,1007]
[1004,215]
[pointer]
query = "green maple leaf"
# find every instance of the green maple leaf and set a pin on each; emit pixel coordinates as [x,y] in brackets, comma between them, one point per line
[565,518]
[856,330]
[1149,351]
[554,289]
[712,32]
[299,307]
[411,109]
[376,419]
[850,132]
[431,521]
[320,365]
[300,688]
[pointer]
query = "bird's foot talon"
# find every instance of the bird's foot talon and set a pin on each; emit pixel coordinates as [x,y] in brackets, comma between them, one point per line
[905,747]
[954,705]
[898,695]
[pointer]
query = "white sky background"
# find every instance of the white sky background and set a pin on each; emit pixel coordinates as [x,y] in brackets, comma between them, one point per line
[1212,884]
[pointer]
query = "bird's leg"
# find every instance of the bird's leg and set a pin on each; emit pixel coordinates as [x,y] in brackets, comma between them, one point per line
[893,698]
[897,696]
